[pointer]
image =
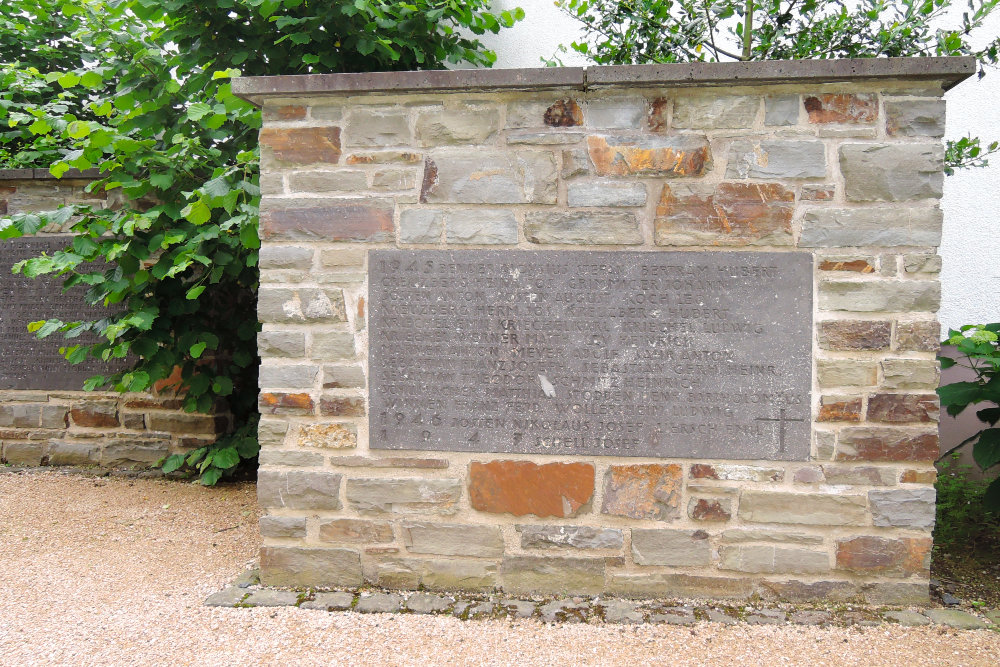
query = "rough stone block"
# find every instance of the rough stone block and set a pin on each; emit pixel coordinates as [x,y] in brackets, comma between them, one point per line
[858,475]
[843,108]
[544,113]
[282,527]
[839,408]
[782,109]
[426,603]
[371,127]
[797,508]
[908,508]
[883,556]
[356,531]
[605,193]
[909,117]
[299,146]
[338,601]
[879,226]
[646,491]
[582,228]
[420,225]
[575,162]
[394,179]
[62,453]
[338,406]
[404,495]
[658,584]
[295,459]
[299,567]
[271,432]
[817,192]
[179,422]
[453,126]
[677,548]
[23,453]
[53,416]
[918,476]
[284,344]
[712,112]
[534,574]
[95,414]
[485,227]
[341,180]
[330,345]
[880,296]
[777,159]
[336,376]
[922,263]
[771,559]
[844,335]
[529,138]
[133,454]
[742,535]
[894,172]
[20,415]
[670,157]
[910,374]
[489,177]
[616,113]
[458,574]
[729,214]
[298,376]
[918,336]
[799,591]
[328,435]
[522,487]
[298,490]
[903,408]
[279,305]
[571,537]
[736,472]
[362,220]
[452,539]
[710,509]
[886,444]
[956,618]
[284,404]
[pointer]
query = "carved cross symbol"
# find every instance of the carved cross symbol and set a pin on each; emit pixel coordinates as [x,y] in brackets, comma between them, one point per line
[782,421]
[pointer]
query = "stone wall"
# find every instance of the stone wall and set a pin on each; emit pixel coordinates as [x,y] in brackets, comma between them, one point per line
[79,428]
[840,159]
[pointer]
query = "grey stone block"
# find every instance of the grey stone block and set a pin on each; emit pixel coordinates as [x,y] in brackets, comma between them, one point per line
[420,225]
[337,601]
[798,508]
[282,344]
[907,618]
[288,377]
[777,159]
[338,376]
[897,172]
[909,508]
[481,226]
[673,616]
[895,226]
[370,127]
[605,193]
[719,616]
[715,111]
[227,597]
[532,574]
[427,603]
[622,611]
[766,617]
[404,495]
[594,227]
[771,559]
[564,611]
[124,454]
[453,539]
[23,453]
[908,117]
[270,598]
[810,617]
[880,296]
[285,257]
[572,537]
[271,433]
[677,548]
[517,608]
[20,415]
[453,126]
[490,177]
[782,109]
[626,113]
[279,305]
[282,526]
[299,490]
[341,180]
[379,603]
[956,619]
[332,345]
[54,416]
[62,453]
[299,566]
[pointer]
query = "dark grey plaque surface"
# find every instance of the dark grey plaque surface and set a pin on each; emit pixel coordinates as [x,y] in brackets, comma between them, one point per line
[25,361]
[660,354]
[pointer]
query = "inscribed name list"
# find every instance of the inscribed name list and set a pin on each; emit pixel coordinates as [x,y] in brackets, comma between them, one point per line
[25,361]
[659,354]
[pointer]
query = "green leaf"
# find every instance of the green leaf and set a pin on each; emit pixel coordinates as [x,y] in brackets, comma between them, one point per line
[78,129]
[991,499]
[946,362]
[226,458]
[40,126]
[196,350]
[194,292]
[248,447]
[211,476]
[959,393]
[92,79]
[986,451]
[173,463]
[161,181]
[198,110]
[68,80]
[248,236]
[197,213]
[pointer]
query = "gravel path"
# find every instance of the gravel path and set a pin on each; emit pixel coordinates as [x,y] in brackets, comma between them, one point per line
[114,571]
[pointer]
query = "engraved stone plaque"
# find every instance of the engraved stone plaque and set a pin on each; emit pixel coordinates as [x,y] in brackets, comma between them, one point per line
[652,354]
[25,361]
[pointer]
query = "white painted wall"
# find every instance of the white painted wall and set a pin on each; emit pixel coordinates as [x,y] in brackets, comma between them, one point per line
[970,249]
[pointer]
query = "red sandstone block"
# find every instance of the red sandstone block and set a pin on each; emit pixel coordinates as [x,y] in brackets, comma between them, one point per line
[878,555]
[303,145]
[842,108]
[522,487]
[903,408]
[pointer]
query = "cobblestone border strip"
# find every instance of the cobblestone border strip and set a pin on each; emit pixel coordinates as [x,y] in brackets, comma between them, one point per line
[246,592]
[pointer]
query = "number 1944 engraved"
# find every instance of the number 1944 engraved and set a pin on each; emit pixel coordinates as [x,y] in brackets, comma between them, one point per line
[666,354]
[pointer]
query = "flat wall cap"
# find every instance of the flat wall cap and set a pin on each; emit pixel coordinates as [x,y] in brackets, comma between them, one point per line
[948,71]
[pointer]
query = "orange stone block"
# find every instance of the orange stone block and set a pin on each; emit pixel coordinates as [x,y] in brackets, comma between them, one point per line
[649,491]
[522,487]
[564,113]
[842,108]
[878,555]
[284,403]
[303,145]
[832,409]
[856,265]
[679,156]
[735,212]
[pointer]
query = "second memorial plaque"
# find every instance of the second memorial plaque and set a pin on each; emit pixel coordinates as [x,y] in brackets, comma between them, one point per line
[665,354]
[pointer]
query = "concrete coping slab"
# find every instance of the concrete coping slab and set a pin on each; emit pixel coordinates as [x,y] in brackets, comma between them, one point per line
[45,175]
[949,71]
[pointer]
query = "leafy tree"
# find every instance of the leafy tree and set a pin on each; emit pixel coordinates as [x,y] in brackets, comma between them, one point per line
[620,32]
[139,89]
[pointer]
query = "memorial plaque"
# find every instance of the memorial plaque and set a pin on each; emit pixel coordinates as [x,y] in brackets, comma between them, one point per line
[653,354]
[25,361]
